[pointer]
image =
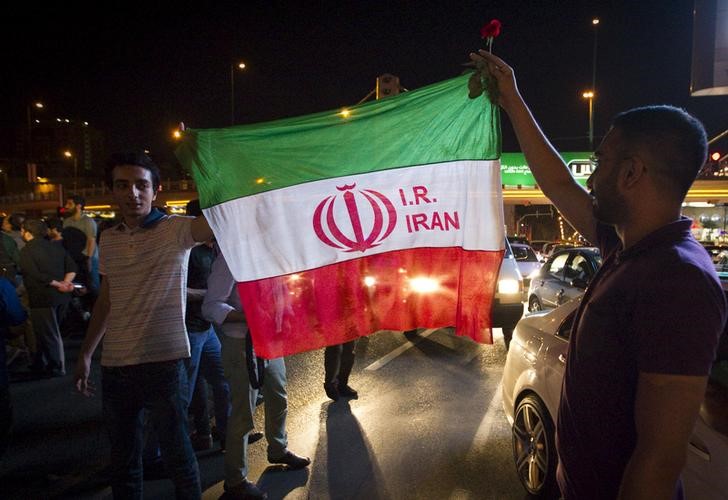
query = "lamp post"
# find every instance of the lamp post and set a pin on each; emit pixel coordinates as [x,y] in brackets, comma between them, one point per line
[239,65]
[589,95]
[69,154]
[36,105]
[595,23]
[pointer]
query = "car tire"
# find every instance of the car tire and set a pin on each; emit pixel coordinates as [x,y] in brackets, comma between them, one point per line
[534,304]
[534,448]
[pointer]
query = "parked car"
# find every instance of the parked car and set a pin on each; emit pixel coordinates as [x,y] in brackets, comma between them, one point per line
[562,277]
[527,260]
[714,250]
[531,392]
[509,296]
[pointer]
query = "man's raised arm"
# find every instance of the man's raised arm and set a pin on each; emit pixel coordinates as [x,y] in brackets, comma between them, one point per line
[548,168]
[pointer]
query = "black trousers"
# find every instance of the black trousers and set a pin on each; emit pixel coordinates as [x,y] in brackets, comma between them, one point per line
[338,362]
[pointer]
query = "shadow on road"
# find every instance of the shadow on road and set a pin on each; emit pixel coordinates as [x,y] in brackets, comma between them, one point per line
[344,464]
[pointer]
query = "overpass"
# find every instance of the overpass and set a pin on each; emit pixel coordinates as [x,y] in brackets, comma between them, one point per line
[519,188]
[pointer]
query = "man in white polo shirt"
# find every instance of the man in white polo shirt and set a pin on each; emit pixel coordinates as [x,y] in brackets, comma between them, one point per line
[140,315]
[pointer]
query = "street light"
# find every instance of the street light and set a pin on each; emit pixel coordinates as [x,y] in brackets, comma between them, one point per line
[36,105]
[69,154]
[241,66]
[595,23]
[589,94]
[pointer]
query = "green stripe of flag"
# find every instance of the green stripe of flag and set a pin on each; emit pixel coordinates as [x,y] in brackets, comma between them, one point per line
[433,124]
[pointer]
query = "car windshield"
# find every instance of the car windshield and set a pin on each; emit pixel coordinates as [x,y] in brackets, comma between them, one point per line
[524,254]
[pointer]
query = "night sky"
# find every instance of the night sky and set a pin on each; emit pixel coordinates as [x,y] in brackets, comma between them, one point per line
[134,72]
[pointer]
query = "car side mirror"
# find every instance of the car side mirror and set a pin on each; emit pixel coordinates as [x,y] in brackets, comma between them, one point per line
[579,283]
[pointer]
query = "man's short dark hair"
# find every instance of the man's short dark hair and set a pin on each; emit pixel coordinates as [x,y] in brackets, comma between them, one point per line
[36,227]
[193,208]
[78,200]
[135,158]
[55,223]
[16,221]
[673,137]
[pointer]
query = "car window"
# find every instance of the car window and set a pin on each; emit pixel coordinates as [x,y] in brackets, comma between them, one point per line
[578,267]
[524,254]
[564,330]
[507,251]
[557,266]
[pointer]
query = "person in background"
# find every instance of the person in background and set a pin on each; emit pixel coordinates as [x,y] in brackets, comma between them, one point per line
[205,349]
[11,314]
[48,272]
[338,362]
[55,228]
[11,226]
[77,219]
[222,306]
[22,346]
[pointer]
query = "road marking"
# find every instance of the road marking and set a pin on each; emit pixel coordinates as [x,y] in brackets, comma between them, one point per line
[389,357]
[491,418]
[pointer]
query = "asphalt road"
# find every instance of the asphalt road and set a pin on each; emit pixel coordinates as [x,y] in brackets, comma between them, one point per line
[428,424]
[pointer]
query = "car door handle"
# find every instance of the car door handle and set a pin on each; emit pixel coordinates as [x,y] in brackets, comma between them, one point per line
[562,359]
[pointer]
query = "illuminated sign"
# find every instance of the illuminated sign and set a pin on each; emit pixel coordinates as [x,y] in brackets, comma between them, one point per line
[515,171]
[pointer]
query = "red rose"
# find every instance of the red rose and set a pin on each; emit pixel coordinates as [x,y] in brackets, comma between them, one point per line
[491,30]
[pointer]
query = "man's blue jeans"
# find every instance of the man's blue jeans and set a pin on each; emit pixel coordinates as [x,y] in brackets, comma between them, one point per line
[205,359]
[160,388]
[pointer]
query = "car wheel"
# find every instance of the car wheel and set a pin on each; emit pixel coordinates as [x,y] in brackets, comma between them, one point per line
[534,304]
[534,450]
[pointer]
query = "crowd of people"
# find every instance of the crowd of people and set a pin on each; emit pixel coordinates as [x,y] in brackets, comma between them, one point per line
[163,347]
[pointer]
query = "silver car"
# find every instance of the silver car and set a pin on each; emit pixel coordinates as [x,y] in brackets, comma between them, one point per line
[531,392]
[564,276]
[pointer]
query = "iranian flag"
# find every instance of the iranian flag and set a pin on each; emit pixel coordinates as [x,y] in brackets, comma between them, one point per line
[386,216]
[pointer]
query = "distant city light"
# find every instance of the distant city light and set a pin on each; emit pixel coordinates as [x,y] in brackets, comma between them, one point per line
[345,113]
[595,21]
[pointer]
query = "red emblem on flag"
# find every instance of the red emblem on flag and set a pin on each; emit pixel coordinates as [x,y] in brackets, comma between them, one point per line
[382,210]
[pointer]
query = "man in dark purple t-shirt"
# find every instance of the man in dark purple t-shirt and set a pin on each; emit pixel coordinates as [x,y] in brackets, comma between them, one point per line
[647,329]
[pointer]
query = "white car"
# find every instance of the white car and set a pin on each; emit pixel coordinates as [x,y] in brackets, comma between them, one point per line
[507,306]
[527,260]
[531,392]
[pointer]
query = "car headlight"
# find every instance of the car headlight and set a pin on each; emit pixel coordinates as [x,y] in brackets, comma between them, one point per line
[424,285]
[509,286]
